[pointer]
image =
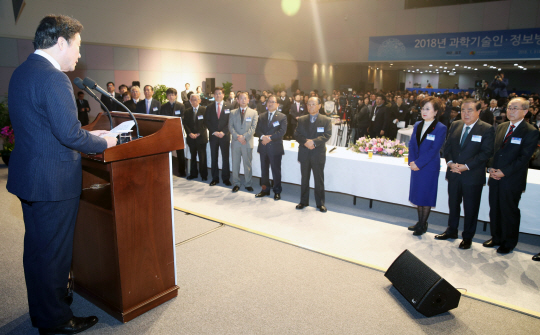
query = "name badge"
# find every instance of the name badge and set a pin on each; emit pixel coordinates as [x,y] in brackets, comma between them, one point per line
[279,109]
[155,109]
[430,137]
[401,110]
[227,111]
[320,129]
[515,140]
[200,117]
[275,124]
[476,138]
[248,119]
[176,112]
[373,118]
[301,108]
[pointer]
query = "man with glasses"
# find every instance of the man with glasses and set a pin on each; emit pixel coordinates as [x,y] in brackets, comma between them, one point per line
[272,126]
[312,133]
[515,142]
[107,99]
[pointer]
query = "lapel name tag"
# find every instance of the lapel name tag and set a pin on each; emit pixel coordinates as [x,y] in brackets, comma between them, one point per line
[227,111]
[176,112]
[248,119]
[430,137]
[515,140]
[401,110]
[476,138]
[320,129]
[301,108]
[279,109]
[275,124]
[200,117]
[155,109]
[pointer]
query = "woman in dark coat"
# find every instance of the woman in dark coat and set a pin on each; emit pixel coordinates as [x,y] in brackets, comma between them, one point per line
[426,141]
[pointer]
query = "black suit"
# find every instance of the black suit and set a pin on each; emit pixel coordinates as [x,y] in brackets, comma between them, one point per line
[294,112]
[233,103]
[176,109]
[391,128]
[477,149]
[184,97]
[109,102]
[272,152]
[381,122]
[261,107]
[83,115]
[219,125]
[131,105]
[194,124]
[313,160]
[155,107]
[504,194]
[487,116]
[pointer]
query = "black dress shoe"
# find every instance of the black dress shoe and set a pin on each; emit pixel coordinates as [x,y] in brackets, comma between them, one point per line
[490,244]
[191,177]
[213,182]
[322,208]
[466,243]
[301,206]
[235,189]
[73,326]
[249,189]
[536,257]
[261,194]
[182,175]
[413,226]
[504,250]
[446,236]
[420,229]
[227,183]
[277,196]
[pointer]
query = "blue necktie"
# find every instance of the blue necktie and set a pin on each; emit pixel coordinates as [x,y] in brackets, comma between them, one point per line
[465,136]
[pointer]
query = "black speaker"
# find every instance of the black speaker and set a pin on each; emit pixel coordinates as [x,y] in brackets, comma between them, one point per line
[210,85]
[421,286]
[294,86]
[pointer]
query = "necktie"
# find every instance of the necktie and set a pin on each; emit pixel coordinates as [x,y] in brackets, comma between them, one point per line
[147,107]
[218,110]
[242,110]
[507,137]
[465,136]
[270,116]
[298,107]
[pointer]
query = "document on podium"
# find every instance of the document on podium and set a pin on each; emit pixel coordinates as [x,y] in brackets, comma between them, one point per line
[123,127]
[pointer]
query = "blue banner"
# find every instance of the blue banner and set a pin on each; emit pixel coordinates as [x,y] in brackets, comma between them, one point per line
[479,45]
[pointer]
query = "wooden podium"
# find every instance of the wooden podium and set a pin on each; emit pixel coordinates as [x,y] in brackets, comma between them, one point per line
[123,251]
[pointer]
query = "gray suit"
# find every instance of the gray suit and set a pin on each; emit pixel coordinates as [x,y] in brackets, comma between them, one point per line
[247,129]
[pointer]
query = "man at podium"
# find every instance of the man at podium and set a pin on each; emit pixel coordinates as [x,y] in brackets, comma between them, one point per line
[45,170]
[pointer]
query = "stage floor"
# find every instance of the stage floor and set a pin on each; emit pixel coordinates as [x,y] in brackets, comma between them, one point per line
[511,281]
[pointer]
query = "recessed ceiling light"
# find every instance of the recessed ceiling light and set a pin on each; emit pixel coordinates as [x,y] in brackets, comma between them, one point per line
[446,63]
[524,68]
[475,69]
[515,65]
[417,70]
[407,70]
[485,64]
[430,64]
[457,64]
[391,64]
[445,67]
[499,69]
[377,68]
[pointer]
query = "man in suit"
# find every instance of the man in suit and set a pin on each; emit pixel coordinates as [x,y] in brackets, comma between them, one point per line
[515,143]
[271,128]
[485,113]
[45,170]
[184,94]
[467,149]
[107,99]
[216,119]
[312,133]
[196,137]
[131,104]
[148,105]
[298,108]
[242,124]
[83,108]
[499,85]
[380,118]
[232,100]
[493,108]
[175,108]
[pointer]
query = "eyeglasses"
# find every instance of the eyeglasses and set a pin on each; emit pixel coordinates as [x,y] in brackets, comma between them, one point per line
[515,109]
[312,104]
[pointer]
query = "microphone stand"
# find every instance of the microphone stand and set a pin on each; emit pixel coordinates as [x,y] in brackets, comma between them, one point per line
[92,84]
[78,81]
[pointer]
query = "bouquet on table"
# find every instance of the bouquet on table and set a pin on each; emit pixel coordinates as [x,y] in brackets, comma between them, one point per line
[381,146]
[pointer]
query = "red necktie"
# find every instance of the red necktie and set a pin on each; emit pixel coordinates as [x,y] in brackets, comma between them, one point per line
[510,132]
[218,110]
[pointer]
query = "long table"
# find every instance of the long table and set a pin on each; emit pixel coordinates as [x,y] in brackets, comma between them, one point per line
[386,179]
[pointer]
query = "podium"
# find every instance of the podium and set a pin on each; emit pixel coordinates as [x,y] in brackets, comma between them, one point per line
[123,250]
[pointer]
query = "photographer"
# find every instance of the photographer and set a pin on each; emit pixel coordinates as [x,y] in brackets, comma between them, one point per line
[499,85]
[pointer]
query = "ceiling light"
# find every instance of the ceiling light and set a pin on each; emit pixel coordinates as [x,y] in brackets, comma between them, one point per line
[430,64]
[524,68]
[499,69]
[445,67]
[457,64]
[407,70]
[475,69]
[391,64]
[485,64]
[515,65]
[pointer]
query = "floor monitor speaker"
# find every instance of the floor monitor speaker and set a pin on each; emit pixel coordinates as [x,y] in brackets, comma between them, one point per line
[421,286]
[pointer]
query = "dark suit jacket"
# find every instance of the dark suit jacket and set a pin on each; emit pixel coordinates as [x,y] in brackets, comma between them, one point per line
[286,104]
[382,121]
[178,110]
[193,127]
[234,104]
[474,154]
[82,105]
[109,102]
[320,132]
[212,122]
[45,164]
[131,105]
[155,107]
[487,116]
[183,96]
[261,108]
[513,159]
[275,129]
[293,111]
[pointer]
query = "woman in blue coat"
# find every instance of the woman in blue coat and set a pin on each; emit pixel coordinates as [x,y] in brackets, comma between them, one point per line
[424,159]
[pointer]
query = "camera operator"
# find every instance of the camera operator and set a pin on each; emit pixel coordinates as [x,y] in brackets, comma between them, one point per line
[498,85]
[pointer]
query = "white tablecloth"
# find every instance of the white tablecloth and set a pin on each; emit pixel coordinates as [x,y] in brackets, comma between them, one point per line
[339,135]
[387,179]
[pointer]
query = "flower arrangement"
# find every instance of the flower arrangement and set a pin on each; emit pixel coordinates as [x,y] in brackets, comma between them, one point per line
[8,138]
[381,146]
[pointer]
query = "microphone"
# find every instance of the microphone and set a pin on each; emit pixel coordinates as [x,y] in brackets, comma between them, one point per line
[79,83]
[92,84]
